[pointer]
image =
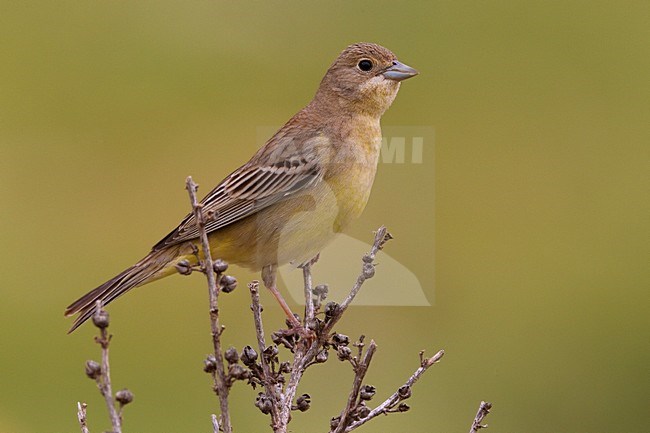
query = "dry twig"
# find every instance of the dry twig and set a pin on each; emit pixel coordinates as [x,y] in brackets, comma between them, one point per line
[355,413]
[103,379]
[267,378]
[305,354]
[402,393]
[310,345]
[367,271]
[360,373]
[221,386]
[483,411]
[309,295]
[81,416]
[215,424]
[101,374]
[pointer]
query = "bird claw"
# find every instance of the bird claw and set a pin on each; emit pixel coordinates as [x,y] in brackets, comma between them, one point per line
[305,334]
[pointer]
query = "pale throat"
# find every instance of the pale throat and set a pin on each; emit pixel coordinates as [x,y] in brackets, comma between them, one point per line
[378,94]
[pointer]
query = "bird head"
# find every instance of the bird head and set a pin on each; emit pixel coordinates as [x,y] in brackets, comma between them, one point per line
[365,78]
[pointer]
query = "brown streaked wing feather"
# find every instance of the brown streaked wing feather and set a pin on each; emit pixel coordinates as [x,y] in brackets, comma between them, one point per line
[245,192]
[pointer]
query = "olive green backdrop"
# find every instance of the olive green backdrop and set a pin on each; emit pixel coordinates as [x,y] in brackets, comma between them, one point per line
[527,222]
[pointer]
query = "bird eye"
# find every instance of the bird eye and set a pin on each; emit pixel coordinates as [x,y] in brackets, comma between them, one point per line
[365,65]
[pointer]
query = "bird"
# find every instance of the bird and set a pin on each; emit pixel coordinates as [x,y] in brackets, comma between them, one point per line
[306,184]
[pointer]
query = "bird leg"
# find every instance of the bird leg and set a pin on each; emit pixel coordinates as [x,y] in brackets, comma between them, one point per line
[269,277]
[310,262]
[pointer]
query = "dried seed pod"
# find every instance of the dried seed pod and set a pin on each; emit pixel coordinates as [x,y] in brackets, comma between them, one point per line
[344,353]
[303,403]
[101,319]
[219,266]
[248,356]
[271,352]
[124,396]
[340,340]
[404,392]
[321,291]
[285,367]
[93,369]
[264,403]
[210,364]
[238,372]
[183,267]
[231,355]
[331,309]
[367,392]
[362,411]
[228,283]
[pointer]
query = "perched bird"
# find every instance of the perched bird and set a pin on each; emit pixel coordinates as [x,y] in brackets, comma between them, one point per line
[307,183]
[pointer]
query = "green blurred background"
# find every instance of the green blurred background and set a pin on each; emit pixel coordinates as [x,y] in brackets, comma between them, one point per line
[528,222]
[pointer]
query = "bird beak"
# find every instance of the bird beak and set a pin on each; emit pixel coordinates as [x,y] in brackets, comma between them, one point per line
[399,71]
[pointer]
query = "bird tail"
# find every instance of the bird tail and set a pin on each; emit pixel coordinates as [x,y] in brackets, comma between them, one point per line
[154,266]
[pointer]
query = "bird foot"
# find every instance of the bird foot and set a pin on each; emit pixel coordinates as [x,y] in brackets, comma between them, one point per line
[304,334]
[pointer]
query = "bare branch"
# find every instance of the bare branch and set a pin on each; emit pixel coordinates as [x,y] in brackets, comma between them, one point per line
[300,360]
[392,401]
[309,300]
[310,344]
[268,381]
[81,416]
[483,411]
[100,320]
[220,376]
[367,271]
[306,350]
[360,373]
[215,424]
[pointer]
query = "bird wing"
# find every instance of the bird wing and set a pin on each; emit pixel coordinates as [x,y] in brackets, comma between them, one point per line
[248,190]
